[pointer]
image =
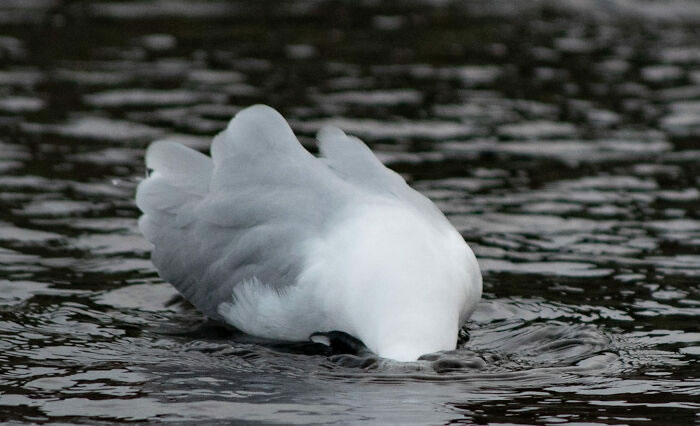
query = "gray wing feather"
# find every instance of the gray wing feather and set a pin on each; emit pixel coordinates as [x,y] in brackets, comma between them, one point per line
[267,196]
[354,162]
[246,212]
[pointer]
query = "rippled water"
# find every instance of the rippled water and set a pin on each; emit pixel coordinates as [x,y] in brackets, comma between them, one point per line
[561,138]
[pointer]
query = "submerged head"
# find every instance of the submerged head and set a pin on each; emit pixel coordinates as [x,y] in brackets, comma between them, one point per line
[401,284]
[423,317]
[408,339]
[409,295]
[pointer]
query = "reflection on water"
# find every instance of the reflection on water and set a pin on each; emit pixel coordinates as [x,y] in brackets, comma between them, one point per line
[560,138]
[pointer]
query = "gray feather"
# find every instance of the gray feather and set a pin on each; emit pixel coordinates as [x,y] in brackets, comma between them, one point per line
[246,212]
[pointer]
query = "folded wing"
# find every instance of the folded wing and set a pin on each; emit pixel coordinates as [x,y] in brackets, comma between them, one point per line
[240,215]
[245,214]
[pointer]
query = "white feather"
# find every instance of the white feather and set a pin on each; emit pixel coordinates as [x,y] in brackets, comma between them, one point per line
[281,244]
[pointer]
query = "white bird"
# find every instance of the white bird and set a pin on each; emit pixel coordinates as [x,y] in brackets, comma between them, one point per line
[280,244]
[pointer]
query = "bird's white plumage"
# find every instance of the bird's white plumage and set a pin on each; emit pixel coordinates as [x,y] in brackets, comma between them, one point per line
[281,244]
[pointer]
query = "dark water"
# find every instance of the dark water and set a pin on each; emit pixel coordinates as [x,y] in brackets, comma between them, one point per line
[561,138]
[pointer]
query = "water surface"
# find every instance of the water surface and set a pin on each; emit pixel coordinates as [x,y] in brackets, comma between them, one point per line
[560,138]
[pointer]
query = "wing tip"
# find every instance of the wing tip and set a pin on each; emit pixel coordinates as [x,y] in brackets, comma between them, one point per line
[156,151]
[328,133]
[258,129]
[256,114]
